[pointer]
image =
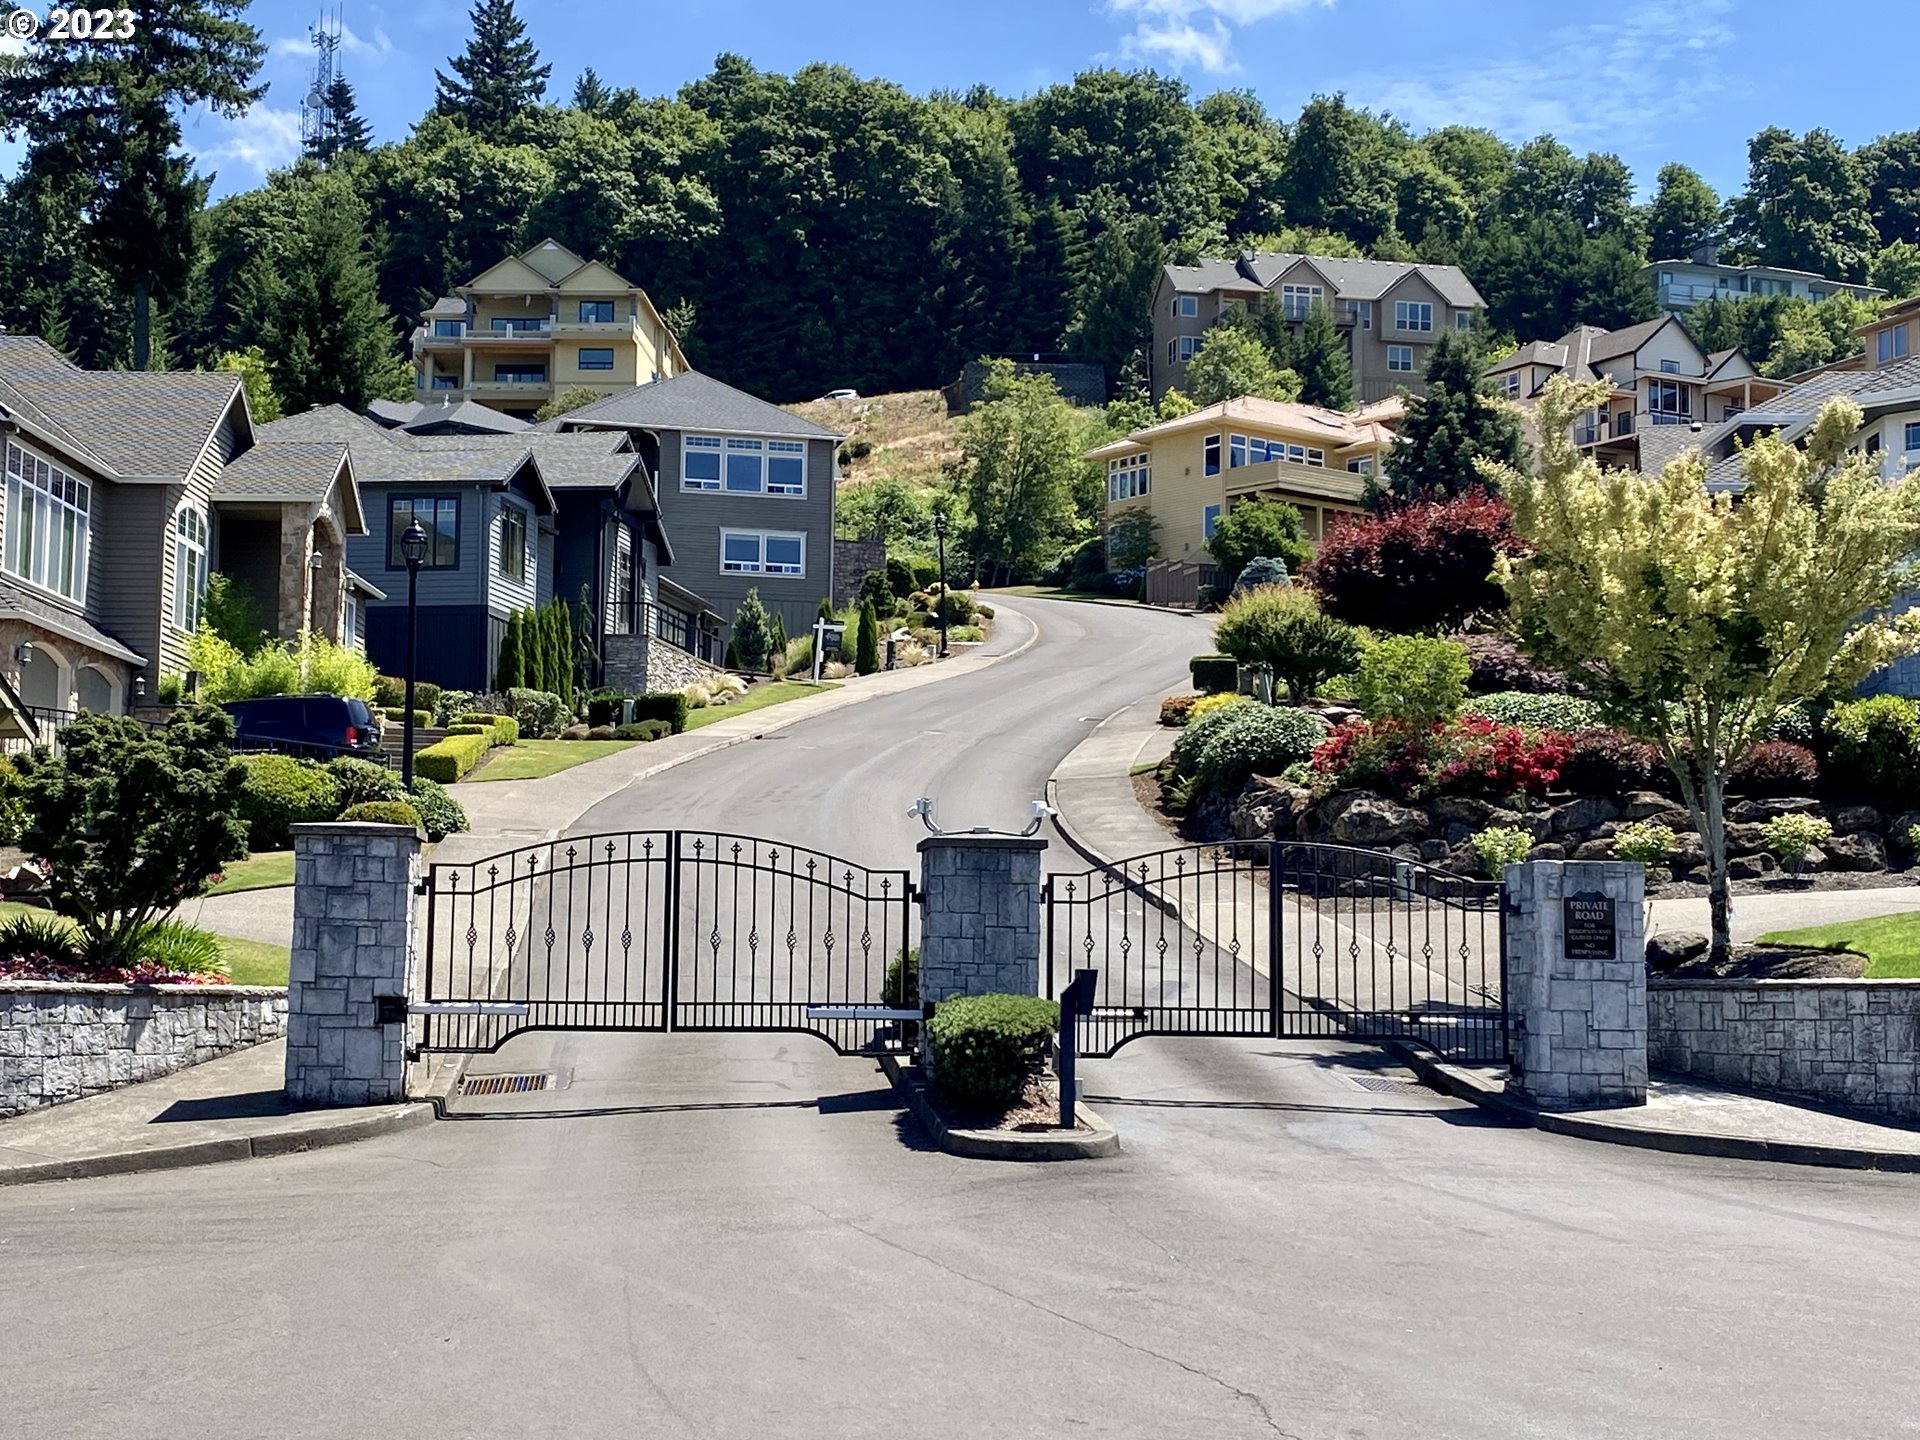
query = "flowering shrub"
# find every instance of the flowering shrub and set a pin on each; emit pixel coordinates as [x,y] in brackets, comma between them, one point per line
[1776,767]
[1647,841]
[1416,567]
[1362,755]
[1205,705]
[1470,756]
[1791,836]
[1600,761]
[1499,846]
[1257,740]
[144,972]
[1495,664]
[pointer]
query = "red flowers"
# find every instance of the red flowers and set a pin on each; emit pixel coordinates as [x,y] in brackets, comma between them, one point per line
[142,974]
[1468,756]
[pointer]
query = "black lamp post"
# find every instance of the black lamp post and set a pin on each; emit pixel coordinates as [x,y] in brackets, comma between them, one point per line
[413,549]
[940,536]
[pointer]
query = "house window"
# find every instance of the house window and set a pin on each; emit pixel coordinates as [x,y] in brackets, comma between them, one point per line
[1361,465]
[501,326]
[1171,353]
[1400,357]
[763,552]
[700,462]
[1510,382]
[1412,315]
[786,467]
[439,516]
[1213,455]
[596,312]
[189,566]
[47,524]
[1190,346]
[1297,300]
[1237,451]
[1892,344]
[1912,436]
[596,359]
[1463,319]
[1209,520]
[350,623]
[521,373]
[1129,476]
[513,542]
[1361,313]
[449,329]
[1669,402]
[1669,367]
[446,382]
[1186,307]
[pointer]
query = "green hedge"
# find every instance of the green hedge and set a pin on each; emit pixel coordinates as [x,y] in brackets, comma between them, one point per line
[667,705]
[281,792]
[383,812]
[1214,674]
[422,719]
[449,759]
[643,730]
[361,781]
[987,1047]
[486,730]
[506,729]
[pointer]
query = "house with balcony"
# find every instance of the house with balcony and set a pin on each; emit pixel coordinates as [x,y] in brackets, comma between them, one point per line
[537,324]
[1658,377]
[1190,471]
[124,491]
[1683,284]
[1391,313]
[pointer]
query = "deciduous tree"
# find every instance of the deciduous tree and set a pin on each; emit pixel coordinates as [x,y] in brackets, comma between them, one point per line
[1235,361]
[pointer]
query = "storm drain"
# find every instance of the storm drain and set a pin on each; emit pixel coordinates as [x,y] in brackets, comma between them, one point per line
[1381,1085]
[504,1084]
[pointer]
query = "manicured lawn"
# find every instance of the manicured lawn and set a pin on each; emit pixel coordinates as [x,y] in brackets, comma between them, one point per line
[257,872]
[249,962]
[1891,943]
[758,698]
[537,759]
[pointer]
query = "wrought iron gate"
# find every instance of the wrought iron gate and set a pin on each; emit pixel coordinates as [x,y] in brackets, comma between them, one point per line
[1285,940]
[659,930]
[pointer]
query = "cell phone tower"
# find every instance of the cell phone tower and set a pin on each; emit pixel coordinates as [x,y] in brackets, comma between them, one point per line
[316,116]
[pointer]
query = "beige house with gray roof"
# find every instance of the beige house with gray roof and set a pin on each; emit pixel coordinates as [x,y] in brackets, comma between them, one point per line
[1391,312]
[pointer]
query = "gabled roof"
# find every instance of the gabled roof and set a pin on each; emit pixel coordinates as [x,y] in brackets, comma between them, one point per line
[1364,279]
[1610,344]
[447,305]
[469,417]
[1534,352]
[1332,429]
[692,401]
[593,275]
[583,460]
[300,472]
[511,276]
[381,456]
[17,602]
[1207,276]
[551,259]
[327,422]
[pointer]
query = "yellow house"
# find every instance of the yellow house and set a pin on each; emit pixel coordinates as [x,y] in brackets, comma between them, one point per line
[1190,471]
[537,324]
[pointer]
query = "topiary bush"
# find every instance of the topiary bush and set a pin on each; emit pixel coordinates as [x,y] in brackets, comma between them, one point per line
[986,1048]
[1600,761]
[1213,674]
[643,730]
[1411,680]
[1282,627]
[1257,740]
[447,760]
[440,813]
[280,792]
[383,812]
[362,781]
[1873,748]
[1542,712]
[1776,768]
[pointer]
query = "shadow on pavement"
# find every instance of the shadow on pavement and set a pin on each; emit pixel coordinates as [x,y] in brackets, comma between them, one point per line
[853,1104]
[252,1105]
[1454,1113]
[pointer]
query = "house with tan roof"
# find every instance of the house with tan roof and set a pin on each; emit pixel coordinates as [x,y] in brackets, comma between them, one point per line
[1190,471]
[1390,312]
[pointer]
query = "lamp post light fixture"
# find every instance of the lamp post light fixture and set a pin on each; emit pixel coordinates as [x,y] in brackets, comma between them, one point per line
[940,536]
[413,549]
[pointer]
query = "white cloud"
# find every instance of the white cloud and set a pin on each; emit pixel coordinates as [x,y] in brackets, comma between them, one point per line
[260,140]
[301,47]
[1195,33]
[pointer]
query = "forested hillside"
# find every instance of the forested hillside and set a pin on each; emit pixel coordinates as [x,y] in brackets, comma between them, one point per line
[824,229]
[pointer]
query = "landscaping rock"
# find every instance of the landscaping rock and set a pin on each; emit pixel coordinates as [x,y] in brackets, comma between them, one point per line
[1434,852]
[1255,812]
[1758,812]
[1861,850]
[1582,815]
[1899,825]
[1689,850]
[1672,948]
[1547,852]
[1594,850]
[1746,839]
[1751,867]
[1372,820]
[1643,805]
[1451,810]
[1816,860]
[1847,819]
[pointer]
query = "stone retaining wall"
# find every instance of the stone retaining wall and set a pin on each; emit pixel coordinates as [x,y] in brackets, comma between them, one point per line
[642,662]
[1840,1042]
[62,1042]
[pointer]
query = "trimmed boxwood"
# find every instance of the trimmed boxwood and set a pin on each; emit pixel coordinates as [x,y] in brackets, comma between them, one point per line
[361,781]
[643,730]
[422,719]
[506,728]
[1214,673]
[447,760]
[281,792]
[383,812]
[987,1047]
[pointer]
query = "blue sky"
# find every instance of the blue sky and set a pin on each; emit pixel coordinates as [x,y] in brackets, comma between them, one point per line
[1653,80]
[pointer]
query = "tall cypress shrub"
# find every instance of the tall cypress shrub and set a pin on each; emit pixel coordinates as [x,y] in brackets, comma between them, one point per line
[866,658]
[509,671]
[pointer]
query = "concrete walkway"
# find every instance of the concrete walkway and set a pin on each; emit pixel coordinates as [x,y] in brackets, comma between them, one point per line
[1099,816]
[226,1109]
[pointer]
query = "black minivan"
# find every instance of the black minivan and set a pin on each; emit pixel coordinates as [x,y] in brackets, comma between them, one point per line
[319,725]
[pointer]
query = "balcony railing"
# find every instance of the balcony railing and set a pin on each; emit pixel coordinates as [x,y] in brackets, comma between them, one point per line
[507,325]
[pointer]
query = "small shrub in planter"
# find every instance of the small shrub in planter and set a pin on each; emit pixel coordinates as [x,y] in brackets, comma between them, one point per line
[383,812]
[1646,841]
[1600,761]
[1176,710]
[1496,664]
[1412,679]
[440,814]
[1257,740]
[280,792]
[1776,767]
[1873,748]
[1215,674]
[1499,846]
[1208,716]
[1543,712]
[986,1048]
[1790,837]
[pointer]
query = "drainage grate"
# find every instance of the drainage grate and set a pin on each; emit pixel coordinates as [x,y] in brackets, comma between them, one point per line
[504,1084]
[1380,1085]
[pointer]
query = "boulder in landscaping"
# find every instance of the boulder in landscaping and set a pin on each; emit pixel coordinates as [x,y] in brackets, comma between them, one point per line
[1861,850]
[1758,812]
[1434,852]
[1672,948]
[1547,852]
[1751,867]
[1847,819]
[1643,805]
[1577,817]
[1373,820]
[1594,850]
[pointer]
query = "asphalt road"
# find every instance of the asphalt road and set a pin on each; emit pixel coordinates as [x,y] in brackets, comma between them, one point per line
[737,1236]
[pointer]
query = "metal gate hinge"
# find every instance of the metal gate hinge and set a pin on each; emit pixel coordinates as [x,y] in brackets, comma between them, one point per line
[422,887]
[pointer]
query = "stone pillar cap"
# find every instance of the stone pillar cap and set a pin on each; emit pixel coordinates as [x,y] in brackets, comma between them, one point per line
[363,829]
[964,840]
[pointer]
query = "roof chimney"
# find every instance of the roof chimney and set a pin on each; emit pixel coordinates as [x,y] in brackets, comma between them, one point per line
[1707,253]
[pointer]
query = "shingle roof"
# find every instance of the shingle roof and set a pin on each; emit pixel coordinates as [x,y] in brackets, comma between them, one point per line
[1363,279]
[1334,428]
[1609,343]
[301,471]
[393,413]
[469,414]
[19,603]
[327,422]
[584,460]
[1208,275]
[692,401]
[382,456]
[1534,352]
[447,305]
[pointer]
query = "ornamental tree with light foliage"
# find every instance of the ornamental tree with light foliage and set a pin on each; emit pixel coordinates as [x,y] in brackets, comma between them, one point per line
[1693,619]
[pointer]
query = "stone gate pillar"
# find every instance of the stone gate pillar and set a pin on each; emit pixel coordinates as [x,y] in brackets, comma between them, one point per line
[980,922]
[352,969]
[1577,982]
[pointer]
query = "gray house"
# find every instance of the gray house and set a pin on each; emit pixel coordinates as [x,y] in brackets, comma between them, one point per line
[745,488]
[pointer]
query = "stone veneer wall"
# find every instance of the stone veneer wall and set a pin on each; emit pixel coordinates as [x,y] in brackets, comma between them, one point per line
[637,663]
[62,1042]
[1840,1042]
[980,915]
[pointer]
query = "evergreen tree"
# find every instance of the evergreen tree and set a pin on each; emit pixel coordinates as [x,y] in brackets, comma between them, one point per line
[1319,357]
[98,117]
[1454,425]
[510,670]
[751,633]
[589,95]
[498,79]
[1113,308]
[1805,205]
[330,340]
[866,655]
[346,131]
[1050,271]
[777,638]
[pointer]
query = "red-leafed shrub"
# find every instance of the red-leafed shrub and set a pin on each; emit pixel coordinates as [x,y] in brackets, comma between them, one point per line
[1496,666]
[1776,767]
[1606,762]
[1363,755]
[1469,756]
[1422,566]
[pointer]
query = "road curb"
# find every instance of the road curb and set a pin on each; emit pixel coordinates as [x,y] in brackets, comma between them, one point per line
[1471,1088]
[1101,1144]
[213,1152]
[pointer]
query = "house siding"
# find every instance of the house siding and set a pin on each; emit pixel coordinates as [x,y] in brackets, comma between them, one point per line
[504,593]
[453,648]
[126,588]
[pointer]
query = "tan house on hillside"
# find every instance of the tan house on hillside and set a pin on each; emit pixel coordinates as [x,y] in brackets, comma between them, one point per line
[536,324]
[1893,336]
[1190,471]
[1390,312]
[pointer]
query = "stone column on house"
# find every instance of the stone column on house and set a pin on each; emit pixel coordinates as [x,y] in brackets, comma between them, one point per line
[296,574]
[330,579]
[352,966]
[1576,988]
[980,917]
